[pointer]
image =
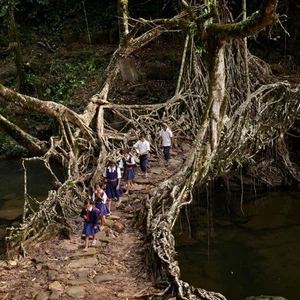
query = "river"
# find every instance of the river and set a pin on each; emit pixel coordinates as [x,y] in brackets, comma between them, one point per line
[242,251]
[239,251]
[12,191]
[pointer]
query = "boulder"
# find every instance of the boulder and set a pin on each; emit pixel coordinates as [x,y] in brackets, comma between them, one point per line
[118,227]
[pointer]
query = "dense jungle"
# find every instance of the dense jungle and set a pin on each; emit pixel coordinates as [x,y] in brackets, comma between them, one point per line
[81,80]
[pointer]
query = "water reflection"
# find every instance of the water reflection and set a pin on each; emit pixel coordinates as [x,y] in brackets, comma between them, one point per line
[257,253]
[12,190]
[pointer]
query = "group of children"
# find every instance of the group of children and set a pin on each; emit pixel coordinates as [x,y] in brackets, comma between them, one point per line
[112,176]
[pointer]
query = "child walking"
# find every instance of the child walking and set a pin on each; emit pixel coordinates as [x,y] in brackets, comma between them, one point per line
[112,175]
[127,162]
[90,226]
[100,198]
[143,148]
[167,141]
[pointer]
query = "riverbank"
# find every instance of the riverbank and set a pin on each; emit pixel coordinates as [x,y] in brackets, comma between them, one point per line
[114,269]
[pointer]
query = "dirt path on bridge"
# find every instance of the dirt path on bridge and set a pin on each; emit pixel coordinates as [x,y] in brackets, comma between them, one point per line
[114,269]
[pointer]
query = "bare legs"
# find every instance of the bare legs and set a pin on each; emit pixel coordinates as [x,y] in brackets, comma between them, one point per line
[129,186]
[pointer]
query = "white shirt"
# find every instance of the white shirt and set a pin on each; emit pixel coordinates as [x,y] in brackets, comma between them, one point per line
[104,197]
[142,146]
[121,163]
[166,137]
[113,168]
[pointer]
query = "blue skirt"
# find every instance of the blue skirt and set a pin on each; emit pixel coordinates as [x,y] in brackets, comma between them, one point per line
[111,190]
[88,229]
[104,211]
[129,174]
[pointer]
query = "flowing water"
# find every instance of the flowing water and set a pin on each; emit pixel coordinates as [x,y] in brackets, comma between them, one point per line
[12,191]
[242,251]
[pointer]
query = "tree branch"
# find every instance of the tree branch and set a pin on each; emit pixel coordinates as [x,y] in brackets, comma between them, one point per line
[257,21]
[49,108]
[32,144]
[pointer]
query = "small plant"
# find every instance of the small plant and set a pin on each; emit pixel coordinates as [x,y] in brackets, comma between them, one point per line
[68,77]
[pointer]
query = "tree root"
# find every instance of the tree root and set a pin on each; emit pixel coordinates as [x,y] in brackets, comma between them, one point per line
[224,130]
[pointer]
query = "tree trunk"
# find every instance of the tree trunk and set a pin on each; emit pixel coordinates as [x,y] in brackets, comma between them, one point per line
[14,45]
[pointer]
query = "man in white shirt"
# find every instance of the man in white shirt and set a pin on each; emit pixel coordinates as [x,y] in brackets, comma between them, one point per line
[143,148]
[167,140]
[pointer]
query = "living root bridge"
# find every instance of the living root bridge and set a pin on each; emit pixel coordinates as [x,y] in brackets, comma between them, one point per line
[247,135]
[210,106]
[249,126]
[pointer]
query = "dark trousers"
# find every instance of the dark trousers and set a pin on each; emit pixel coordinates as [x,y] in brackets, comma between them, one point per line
[167,152]
[144,162]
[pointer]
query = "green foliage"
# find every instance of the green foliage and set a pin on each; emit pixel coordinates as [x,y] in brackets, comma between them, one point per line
[9,147]
[201,50]
[193,29]
[4,8]
[66,77]
[194,32]
[207,22]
